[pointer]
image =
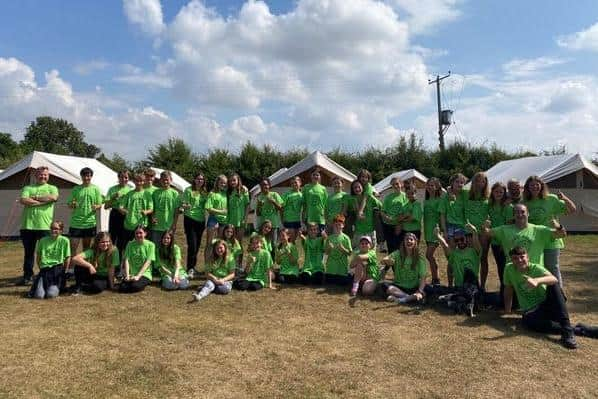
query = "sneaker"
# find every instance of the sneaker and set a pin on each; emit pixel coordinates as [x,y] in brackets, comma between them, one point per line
[76,290]
[436,281]
[568,339]
[197,296]
[191,273]
[391,298]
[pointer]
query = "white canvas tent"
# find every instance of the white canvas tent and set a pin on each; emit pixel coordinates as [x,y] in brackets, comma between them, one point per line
[383,187]
[178,182]
[328,169]
[64,173]
[571,173]
[255,190]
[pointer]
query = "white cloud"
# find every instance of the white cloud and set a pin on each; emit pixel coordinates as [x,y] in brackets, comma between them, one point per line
[146,14]
[150,80]
[87,68]
[424,16]
[519,68]
[586,39]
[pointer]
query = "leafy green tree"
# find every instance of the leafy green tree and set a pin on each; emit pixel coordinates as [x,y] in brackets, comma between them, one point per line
[117,163]
[174,155]
[10,150]
[57,136]
[217,162]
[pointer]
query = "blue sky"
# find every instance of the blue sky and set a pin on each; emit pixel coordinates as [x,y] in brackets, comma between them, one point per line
[310,73]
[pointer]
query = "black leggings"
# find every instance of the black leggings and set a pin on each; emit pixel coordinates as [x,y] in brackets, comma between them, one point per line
[315,278]
[336,279]
[286,278]
[551,316]
[30,239]
[116,228]
[392,239]
[244,285]
[92,284]
[129,287]
[193,232]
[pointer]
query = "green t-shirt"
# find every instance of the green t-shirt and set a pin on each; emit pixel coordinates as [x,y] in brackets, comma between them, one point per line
[268,210]
[135,202]
[196,201]
[528,298]
[535,239]
[150,190]
[393,204]
[314,252]
[476,211]
[454,210]
[218,200]
[84,216]
[499,216]
[52,252]
[292,202]
[406,275]
[315,198]
[168,265]
[368,189]
[260,267]
[221,268]
[139,253]
[542,211]
[116,195]
[367,224]
[287,258]
[38,217]
[234,250]
[237,204]
[431,217]
[338,262]
[100,263]
[166,204]
[372,268]
[413,209]
[461,259]
[334,206]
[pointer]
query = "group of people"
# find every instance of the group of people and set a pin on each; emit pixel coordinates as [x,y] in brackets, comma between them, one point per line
[339,233]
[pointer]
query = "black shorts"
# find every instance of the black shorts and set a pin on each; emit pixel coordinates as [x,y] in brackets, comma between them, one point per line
[75,232]
[292,225]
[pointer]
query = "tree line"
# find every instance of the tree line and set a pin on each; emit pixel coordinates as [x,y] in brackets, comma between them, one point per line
[252,162]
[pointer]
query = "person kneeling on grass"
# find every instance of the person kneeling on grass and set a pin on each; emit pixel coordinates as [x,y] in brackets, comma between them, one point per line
[94,267]
[137,263]
[540,299]
[258,265]
[220,272]
[365,268]
[53,253]
[409,268]
[168,262]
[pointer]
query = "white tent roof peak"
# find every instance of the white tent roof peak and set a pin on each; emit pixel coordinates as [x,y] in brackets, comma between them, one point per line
[177,181]
[403,175]
[548,168]
[316,158]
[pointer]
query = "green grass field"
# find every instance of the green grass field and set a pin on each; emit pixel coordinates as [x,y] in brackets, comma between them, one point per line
[293,342]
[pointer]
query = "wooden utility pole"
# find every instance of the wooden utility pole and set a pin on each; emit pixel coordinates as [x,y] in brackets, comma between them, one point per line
[441,125]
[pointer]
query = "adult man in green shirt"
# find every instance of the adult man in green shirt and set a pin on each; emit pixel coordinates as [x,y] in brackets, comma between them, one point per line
[38,201]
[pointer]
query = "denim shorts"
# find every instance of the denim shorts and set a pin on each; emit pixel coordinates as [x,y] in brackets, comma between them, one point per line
[212,221]
[453,229]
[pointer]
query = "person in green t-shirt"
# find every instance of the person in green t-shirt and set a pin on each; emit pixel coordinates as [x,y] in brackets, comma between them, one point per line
[193,207]
[149,177]
[292,204]
[268,207]
[238,205]
[539,295]
[543,209]
[220,272]
[217,210]
[136,206]
[38,211]
[409,269]
[112,202]
[452,215]
[52,252]
[464,259]
[167,205]
[476,212]
[411,213]
[364,222]
[85,200]
[257,265]
[137,263]
[315,197]
[365,178]
[432,203]
[364,266]
[514,191]
[94,267]
[336,203]
[337,251]
[500,213]
[391,207]
[312,271]
[168,263]
[287,259]
[235,251]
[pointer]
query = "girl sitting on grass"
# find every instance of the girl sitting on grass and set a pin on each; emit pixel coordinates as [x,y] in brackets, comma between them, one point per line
[313,246]
[52,255]
[220,272]
[94,267]
[168,262]
[137,263]
[409,269]
[365,268]
[258,263]
[287,258]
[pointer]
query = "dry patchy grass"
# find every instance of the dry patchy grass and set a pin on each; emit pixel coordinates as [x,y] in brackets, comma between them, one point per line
[293,342]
